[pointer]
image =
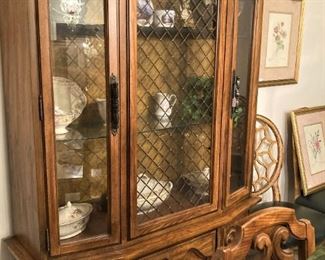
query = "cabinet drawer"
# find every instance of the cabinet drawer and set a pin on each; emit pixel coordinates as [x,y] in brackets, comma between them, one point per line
[197,248]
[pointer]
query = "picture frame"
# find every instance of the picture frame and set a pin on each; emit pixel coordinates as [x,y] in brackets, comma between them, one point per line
[308,126]
[281,42]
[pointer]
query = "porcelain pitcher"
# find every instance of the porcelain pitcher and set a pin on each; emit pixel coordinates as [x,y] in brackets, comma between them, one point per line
[164,104]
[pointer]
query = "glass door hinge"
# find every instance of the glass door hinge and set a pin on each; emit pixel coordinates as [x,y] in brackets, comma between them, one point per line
[47,238]
[41,107]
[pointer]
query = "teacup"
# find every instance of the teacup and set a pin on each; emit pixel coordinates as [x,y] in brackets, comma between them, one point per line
[164,18]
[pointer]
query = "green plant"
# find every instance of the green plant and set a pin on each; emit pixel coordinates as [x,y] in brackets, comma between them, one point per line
[197,104]
[236,115]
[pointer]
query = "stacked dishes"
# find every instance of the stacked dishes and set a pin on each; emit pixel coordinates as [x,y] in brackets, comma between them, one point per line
[199,181]
[151,193]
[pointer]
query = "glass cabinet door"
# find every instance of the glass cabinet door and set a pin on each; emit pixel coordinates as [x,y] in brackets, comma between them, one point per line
[86,204]
[243,94]
[173,101]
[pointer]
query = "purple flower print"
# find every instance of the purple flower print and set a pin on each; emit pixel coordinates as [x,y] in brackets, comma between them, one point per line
[279,35]
[315,144]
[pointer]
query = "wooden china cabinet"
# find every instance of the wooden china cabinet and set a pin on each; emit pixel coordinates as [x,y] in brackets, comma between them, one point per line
[144,110]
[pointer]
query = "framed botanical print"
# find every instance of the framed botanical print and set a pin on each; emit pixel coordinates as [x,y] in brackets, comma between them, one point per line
[309,140]
[281,42]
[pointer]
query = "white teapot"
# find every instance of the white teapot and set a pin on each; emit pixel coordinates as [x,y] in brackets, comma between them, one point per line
[164,104]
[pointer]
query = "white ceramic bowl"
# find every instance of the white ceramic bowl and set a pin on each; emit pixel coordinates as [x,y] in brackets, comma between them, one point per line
[73,219]
[151,193]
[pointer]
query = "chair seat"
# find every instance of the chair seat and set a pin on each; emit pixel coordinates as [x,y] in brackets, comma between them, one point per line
[316,218]
[315,201]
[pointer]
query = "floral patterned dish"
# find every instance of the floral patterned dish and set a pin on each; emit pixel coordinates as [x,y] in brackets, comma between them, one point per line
[73,219]
[69,102]
[151,193]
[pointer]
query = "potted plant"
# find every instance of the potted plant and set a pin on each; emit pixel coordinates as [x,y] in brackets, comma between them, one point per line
[198,102]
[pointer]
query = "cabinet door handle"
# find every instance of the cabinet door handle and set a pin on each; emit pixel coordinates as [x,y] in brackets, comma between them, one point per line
[115,104]
[235,94]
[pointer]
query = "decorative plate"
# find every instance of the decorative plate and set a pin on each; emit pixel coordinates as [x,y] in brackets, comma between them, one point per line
[69,102]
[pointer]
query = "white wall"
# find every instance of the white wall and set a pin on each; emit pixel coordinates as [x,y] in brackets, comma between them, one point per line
[277,102]
[273,102]
[5,224]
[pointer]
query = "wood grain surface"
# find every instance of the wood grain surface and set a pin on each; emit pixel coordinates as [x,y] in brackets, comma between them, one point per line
[27,74]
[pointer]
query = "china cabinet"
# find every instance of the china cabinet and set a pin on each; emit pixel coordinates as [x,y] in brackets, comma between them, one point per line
[130,124]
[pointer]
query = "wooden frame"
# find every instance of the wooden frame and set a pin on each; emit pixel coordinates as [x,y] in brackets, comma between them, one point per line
[26,56]
[58,247]
[214,205]
[281,42]
[233,197]
[309,136]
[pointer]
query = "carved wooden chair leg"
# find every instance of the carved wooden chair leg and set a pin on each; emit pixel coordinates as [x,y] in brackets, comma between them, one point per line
[266,231]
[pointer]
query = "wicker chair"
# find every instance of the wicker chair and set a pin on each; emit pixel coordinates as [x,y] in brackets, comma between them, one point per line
[269,154]
[263,233]
[268,161]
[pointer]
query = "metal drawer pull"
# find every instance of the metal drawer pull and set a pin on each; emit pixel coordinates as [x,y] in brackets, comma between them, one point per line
[115,104]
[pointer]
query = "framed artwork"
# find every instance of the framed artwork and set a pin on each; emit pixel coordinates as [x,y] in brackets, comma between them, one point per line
[309,141]
[281,42]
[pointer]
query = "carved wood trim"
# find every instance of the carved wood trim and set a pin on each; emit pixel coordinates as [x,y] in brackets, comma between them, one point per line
[266,230]
[263,243]
[233,235]
[198,254]
[281,235]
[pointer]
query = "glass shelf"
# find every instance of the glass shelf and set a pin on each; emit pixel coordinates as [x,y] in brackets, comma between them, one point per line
[83,133]
[86,30]
[158,127]
[174,32]
[79,30]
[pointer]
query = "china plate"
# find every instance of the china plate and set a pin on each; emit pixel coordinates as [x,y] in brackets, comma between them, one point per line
[69,102]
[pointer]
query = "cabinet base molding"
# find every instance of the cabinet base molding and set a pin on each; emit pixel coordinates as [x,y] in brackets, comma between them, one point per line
[16,249]
[152,243]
